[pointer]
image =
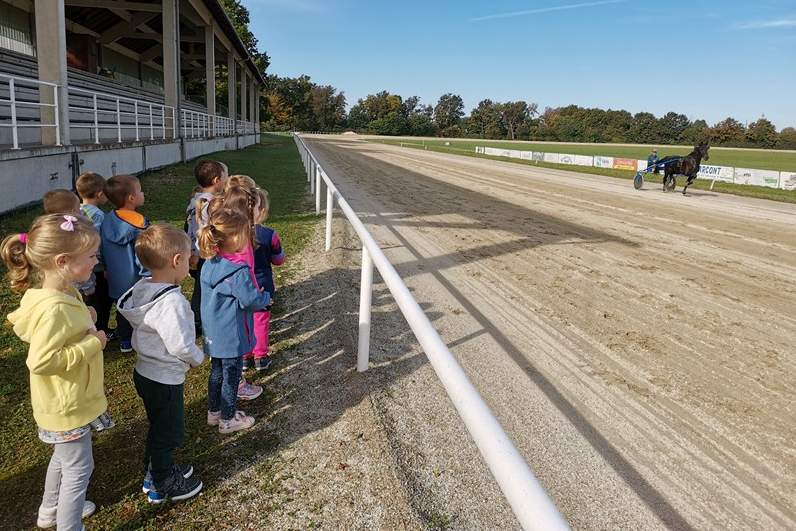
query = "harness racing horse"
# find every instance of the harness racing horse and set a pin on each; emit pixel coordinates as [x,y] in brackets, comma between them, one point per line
[687,166]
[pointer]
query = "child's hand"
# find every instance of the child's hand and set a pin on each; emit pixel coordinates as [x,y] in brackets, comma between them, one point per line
[93,313]
[101,336]
[193,261]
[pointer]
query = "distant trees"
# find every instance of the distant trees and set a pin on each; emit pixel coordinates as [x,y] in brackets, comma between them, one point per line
[298,104]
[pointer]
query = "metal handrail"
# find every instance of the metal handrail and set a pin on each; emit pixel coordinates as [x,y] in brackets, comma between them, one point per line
[14,103]
[149,110]
[531,505]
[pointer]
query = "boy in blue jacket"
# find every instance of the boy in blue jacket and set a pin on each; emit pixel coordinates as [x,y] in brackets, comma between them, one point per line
[119,230]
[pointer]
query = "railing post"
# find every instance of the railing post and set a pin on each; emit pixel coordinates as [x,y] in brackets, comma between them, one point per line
[57,119]
[12,97]
[163,121]
[135,111]
[317,189]
[174,131]
[118,122]
[96,122]
[329,213]
[151,124]
[365,297]
[310,172]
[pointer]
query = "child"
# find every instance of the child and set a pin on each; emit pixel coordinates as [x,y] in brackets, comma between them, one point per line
[210,176]
[164,338]
[229,298]
[240,195]
[60,201]
[64,357]
[91,188]
[268,252]
[119,230]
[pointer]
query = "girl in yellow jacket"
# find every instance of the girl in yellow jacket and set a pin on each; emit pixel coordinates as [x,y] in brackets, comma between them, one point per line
[65,355]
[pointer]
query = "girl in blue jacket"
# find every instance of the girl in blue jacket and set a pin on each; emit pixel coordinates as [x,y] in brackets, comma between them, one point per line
[229,300]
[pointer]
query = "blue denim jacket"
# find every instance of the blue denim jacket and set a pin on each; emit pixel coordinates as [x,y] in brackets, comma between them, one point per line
[118,254]
[229,300]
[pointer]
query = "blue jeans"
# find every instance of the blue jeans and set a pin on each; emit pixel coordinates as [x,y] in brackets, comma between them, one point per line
[222,386]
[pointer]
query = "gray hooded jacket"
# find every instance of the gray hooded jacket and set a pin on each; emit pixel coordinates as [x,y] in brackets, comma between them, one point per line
[163,331]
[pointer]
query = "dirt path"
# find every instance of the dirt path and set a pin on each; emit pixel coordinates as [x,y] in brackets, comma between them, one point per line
[637,346]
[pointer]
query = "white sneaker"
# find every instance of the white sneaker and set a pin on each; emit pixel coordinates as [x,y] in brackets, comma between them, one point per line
[213,418]
[241,421]
[47,517]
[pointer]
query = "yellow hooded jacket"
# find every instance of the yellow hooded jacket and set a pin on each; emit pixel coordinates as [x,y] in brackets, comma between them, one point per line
[65,362]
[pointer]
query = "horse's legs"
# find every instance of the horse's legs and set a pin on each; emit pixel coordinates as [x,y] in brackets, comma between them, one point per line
[687,184]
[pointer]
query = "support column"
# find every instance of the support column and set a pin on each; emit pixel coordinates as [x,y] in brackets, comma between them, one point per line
[232,81]
[244,92]
[210,74]
[257,108]
[51,52]
[171,63]
[252,98]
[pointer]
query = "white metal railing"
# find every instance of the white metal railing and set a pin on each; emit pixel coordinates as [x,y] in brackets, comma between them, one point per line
[105,117]
[14,103]
[130,118]
[528,499]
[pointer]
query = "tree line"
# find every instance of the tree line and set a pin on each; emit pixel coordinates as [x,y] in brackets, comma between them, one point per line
[299,104]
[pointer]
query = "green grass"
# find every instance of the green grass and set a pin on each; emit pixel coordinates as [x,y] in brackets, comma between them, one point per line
[760,192]
[115,484]
[738,158]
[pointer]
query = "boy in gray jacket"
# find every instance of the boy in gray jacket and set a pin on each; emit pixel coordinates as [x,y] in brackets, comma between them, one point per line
[164,338]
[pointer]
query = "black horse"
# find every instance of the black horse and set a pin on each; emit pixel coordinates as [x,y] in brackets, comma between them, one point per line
[687,166]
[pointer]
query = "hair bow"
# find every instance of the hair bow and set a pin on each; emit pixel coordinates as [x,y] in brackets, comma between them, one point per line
[23,237]
[69,223]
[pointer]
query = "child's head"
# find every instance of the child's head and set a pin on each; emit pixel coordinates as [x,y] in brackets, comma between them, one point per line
[91,187]
[56,243]
[61,202]
[164,249]
[124,191]
[226,230]
[210,174]
[263,206]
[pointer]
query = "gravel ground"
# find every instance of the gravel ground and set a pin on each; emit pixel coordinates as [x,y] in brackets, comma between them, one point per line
[637,346]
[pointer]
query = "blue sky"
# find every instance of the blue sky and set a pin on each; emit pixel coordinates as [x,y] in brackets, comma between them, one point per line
[705,58]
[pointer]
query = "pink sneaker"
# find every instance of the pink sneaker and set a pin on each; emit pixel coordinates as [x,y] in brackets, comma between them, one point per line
[241,421]
[247,391]
[213,417]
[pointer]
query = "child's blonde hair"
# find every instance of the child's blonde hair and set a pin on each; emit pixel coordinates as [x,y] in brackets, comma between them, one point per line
[240,194]
[223,224]
[61,201]
[156,246]
[265,205]
[26,255]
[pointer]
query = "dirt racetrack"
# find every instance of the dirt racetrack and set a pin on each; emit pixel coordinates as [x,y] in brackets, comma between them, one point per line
[637,346]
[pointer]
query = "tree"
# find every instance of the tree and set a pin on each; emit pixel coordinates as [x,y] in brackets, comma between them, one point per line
[644,129]
[672,126]
[728,132]
[761,133]
[513,114]
[787,138]
[448,114]
[695,133]
[485,121]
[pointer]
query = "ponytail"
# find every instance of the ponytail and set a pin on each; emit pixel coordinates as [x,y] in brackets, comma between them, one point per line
[223,224]
[20,270]
[26,255]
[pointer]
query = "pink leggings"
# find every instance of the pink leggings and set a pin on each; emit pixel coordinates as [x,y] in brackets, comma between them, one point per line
[262,326]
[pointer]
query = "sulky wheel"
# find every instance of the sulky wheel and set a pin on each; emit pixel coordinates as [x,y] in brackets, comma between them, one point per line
[638,181]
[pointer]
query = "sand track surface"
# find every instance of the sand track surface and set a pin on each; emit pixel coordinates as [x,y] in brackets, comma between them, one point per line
[637,346]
